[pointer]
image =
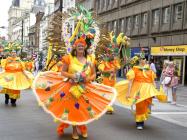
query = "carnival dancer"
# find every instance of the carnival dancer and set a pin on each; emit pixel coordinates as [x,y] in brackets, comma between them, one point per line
[110,63]
[14,78]
[138,90]
[108,68]
[71,98]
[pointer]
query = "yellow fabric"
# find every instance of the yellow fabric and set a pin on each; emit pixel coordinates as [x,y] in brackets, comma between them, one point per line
[142,87]
[49,53]
[101,67]
[13,94]
[76,66]
[130,75]
[3,63]
[16,81]
[14,77]
[141,118]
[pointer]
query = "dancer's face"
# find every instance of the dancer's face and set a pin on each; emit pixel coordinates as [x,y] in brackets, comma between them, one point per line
[13,54]
[80,48]
[143,62]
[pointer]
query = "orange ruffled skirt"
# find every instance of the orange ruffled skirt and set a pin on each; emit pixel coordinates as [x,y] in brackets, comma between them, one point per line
[56,97]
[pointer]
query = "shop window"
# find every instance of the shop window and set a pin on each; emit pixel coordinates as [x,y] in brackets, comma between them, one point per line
[155,16]
[144,19]
[129,23]
[178,9]
[166,15]
[136,21]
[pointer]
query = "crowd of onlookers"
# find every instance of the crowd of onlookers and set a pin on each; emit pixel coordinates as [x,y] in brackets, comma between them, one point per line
[168,79]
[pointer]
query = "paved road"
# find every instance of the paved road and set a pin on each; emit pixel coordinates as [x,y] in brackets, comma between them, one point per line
[29,122]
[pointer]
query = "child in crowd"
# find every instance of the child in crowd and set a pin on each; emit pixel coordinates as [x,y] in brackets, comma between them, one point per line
[174,84]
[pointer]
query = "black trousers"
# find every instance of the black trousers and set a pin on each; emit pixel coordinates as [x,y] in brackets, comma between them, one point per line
[139,123]
[13,101]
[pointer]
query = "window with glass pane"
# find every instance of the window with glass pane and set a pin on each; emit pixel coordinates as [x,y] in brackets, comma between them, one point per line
[115,27]
[136,22]
[109,26]
[129,22]
[144,19]
[101,4]
[122,23]
[105,2]
[178,12]
[166,15]
[156,14]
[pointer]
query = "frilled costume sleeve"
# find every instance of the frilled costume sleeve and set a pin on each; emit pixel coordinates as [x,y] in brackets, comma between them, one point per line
[130,75]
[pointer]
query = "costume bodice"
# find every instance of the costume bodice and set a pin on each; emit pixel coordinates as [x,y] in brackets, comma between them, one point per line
[74,65]
[108,65]
[141,74]
[13,64]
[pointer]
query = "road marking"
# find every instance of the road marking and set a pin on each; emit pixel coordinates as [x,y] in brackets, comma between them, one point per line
[169,113]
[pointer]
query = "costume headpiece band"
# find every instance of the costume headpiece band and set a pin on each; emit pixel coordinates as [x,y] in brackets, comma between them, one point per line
[80,41]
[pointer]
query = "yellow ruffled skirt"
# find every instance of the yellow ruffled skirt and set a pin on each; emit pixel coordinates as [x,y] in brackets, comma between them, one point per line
[16,80]
[138,93]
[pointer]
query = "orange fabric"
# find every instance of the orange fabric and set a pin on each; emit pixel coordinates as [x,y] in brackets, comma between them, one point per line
[29,66]
[61,127]
[13,94]
[93,94]
[107,66]
[13,64]
[83,129]
[80,41]
[142,110]
[66,59]
[108,82]
[110,65]
[142,107]
[140,76]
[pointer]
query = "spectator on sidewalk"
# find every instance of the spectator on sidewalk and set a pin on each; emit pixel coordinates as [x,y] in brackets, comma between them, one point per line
[152,66]
[174,84]
[167,76]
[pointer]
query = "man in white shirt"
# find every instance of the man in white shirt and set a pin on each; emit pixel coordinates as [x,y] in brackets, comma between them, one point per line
[152,66]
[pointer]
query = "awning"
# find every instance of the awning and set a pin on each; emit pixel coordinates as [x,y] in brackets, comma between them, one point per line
[169,50]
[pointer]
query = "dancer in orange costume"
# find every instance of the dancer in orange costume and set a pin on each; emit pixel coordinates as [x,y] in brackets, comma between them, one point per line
[138,90]
[14,78]
[71,98]
[108,71]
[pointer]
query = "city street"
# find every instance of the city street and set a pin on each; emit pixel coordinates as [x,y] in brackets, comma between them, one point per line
[29,122]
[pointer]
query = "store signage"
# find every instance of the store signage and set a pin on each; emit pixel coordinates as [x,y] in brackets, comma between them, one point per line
[169,50]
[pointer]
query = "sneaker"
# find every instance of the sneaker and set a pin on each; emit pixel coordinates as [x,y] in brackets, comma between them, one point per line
[139,127]
[75,137]
[85,135]
[173,103]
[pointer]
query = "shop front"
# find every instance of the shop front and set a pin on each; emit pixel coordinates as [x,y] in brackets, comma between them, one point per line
[136,51]
[177,54]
